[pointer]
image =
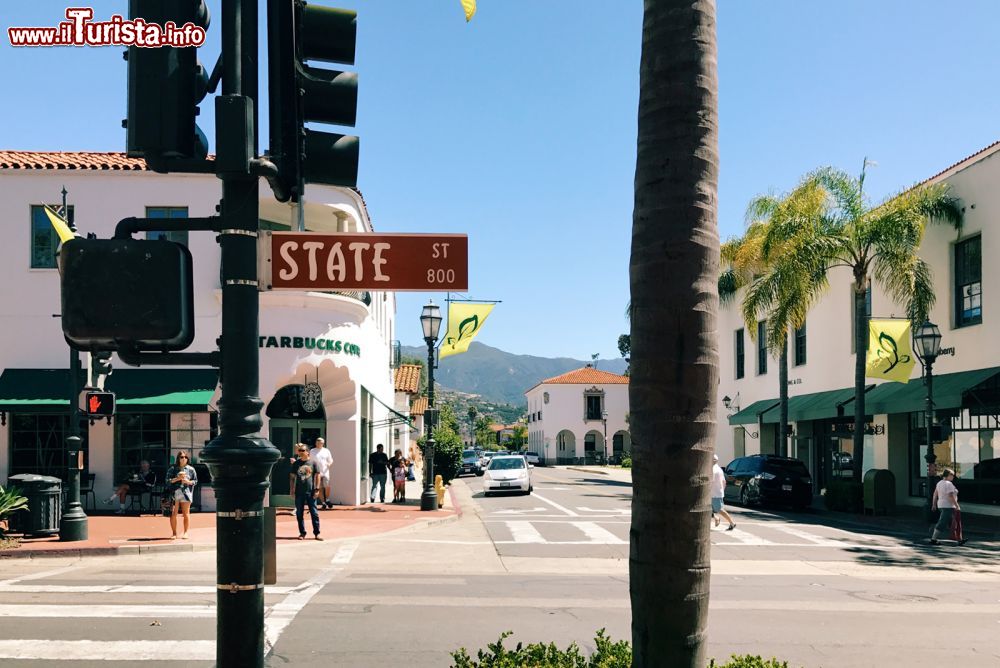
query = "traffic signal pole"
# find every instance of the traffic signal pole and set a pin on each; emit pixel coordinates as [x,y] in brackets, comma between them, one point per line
[239,459]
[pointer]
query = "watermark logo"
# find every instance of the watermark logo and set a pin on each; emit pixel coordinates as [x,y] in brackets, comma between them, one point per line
[81,30]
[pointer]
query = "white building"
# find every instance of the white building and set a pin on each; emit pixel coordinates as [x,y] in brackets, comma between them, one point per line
[579,416]
[407,382]
[340,341]
[821,365]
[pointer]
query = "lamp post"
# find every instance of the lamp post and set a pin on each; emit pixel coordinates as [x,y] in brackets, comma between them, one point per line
[604,421]
[73,525]
[430,321]
[927,340]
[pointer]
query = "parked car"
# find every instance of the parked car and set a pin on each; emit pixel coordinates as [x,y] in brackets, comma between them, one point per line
[485,457]
[471,463]
[532,458]
[507,473]
[843,461]
[769,479]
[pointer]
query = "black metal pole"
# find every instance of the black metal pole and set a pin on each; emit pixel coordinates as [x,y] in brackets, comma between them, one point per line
[239,459]
[930,457]
[73,523]
[429,500]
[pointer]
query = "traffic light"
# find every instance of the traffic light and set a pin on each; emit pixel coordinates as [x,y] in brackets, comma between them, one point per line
[100,404]
[126,293]
[298,32]
[165,85]
[100,368]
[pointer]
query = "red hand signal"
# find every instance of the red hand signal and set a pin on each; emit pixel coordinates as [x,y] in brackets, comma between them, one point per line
[95,403]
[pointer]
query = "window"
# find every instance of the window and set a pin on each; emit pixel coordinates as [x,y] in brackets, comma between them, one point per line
[854,316]
[44,240]
[968,282]
[740,354]
[179,236]
[143,436]
[761,347]
[593,406]
[800,345]
[38,444]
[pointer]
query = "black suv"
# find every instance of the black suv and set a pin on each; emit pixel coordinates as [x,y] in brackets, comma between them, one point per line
[769,479]
[471,463]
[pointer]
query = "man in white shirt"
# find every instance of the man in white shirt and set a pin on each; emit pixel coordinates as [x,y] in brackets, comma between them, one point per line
[718,493]
[322,461]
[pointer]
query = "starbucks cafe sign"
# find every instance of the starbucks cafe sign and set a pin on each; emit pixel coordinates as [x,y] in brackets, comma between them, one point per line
[329,346]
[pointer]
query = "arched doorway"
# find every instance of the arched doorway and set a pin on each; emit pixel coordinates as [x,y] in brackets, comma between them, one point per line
[593,447]
[565,447]
[291,423]
[621,446]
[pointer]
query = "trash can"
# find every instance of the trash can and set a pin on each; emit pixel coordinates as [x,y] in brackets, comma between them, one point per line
[44,494]
[880,491]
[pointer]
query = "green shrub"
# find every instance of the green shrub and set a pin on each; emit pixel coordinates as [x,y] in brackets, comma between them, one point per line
[11,502]
[627,463]
[609,654]
[845,496]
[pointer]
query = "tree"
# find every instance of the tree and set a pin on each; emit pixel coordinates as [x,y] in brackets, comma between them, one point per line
[519,438]
[472,424]
[875,242]
[447,445]
[484,435]
[674,300]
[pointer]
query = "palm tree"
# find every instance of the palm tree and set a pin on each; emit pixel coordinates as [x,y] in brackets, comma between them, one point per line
[675,368]
[875,242]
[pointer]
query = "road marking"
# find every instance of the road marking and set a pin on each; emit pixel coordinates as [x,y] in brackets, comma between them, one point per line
[599,535]
[280,615]
[523,532]
[121,610]
[805,535]
[125,589]
[745,538]
[106,650]
[522,511]
[40,575]
[609,511]
[555,505]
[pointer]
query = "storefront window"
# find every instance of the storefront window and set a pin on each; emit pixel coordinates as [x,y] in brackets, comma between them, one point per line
[968,452]
[142,436]
[38,444]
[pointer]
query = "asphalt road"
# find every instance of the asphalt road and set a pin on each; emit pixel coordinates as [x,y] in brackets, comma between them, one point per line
[551,566]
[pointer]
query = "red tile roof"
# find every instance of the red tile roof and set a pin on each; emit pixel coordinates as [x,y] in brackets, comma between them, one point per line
[418,406]
[588,375]
[70,160]
[964,162]
[408,378]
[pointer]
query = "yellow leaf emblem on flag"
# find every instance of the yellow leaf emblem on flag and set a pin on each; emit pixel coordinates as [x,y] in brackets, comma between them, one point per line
[465,319]
[61,226]
[889,354]
[470,9]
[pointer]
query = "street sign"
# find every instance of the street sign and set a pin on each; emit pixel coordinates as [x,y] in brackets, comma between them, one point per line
[100,404]
[362,261]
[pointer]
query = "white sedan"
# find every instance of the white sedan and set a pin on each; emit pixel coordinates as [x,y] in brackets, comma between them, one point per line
[507,473]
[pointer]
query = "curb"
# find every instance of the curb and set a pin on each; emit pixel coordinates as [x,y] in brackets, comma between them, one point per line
[583,470]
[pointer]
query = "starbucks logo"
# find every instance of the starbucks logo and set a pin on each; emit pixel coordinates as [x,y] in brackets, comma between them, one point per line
[311,397]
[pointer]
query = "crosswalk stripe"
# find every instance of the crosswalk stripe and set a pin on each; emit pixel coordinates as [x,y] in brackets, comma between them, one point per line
[805,535]
[106,650]
[524,532]
[599,534]
[745,538]
[83,611]
[124,589]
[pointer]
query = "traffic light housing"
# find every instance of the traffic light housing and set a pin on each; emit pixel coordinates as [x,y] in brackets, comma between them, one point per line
[100,404]
[127,293]
[100,368]
[165,85]
[298,94]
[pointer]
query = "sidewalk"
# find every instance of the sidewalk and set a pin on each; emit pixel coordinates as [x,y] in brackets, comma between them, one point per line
[111,534]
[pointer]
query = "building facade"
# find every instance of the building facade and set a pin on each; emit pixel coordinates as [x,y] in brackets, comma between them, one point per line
[579,417]
[821,366]
[325,357]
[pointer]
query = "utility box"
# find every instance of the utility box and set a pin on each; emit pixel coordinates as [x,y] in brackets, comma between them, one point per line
[44,494]
[880,491]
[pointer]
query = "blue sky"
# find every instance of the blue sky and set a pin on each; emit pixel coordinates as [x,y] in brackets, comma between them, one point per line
[519,128]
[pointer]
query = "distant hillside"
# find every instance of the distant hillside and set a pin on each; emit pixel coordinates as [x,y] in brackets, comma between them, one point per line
[502,376]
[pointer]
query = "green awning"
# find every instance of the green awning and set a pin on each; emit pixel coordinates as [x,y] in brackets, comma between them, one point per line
[136,390]
[749,414]
[813,406]
[911,397]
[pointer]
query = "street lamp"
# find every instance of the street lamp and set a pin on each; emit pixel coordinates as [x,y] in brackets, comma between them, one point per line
[927,341]
[430,321]
[604,420]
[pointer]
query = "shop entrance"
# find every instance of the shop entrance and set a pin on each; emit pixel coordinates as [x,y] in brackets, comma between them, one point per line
[284,435]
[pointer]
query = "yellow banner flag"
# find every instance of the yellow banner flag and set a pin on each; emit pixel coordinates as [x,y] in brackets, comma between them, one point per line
[470,10]
[465,319]
[60,225]
[890,356]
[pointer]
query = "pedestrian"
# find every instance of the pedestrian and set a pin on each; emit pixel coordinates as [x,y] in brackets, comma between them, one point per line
[138,483]
[719,494]
[946,498]
[305,487]
[411,474]
[378,463]
[181,478]
[322,459]
[398,464]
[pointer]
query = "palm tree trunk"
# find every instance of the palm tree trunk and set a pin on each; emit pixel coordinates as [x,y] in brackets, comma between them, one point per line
[860,355]
[783,399]
[674,370]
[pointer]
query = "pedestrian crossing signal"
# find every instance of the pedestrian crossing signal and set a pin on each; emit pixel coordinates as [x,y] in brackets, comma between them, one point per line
[100,404]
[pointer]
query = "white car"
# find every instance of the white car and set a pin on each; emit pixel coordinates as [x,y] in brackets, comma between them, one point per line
[507,473]
[532,458]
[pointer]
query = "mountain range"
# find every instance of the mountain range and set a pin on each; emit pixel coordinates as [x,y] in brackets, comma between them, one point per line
[500,376]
